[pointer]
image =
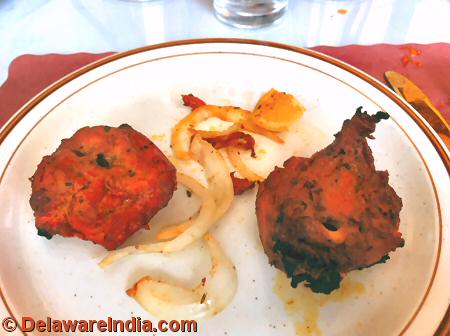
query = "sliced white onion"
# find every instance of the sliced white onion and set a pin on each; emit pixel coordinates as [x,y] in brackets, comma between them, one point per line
[250,126]
[221,284]
[212,134]
[172,231]
[235,159]
[219,181]
[172,302]
[182,133]
[166,301]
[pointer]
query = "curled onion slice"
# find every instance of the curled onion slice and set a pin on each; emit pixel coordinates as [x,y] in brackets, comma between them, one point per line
[220,184]
[182,133]
[197,226]
[207,299]
[173,231]
[212,134]
[219,180]
[250,126]
[241,167]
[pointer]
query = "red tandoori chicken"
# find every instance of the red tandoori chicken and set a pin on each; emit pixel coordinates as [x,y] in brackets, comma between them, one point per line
[324,216]
[102,184]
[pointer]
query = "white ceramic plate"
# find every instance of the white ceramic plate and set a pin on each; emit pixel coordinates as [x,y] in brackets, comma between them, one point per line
[60,278]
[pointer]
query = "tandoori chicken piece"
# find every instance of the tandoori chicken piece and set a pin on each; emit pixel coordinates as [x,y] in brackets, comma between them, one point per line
[102,184]
[324,216]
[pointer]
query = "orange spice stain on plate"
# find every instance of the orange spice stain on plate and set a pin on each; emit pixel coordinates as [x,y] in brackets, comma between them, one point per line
[304,305]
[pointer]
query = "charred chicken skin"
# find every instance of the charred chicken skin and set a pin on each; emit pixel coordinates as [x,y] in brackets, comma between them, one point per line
[102,184]
[324,216]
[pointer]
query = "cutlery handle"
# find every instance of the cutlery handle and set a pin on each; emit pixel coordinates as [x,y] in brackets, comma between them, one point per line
[433,116]
[437,113]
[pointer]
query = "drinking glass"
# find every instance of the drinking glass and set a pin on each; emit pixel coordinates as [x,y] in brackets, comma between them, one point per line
[250,13]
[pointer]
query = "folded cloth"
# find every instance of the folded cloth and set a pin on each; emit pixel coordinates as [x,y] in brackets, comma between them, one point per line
[427,65]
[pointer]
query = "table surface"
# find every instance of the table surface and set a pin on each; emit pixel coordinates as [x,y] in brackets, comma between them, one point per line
[69,26]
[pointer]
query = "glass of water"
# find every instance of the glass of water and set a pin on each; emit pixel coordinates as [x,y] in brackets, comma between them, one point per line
[250,13]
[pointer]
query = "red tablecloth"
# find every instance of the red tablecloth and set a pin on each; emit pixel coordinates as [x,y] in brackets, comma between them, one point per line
[427,65]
